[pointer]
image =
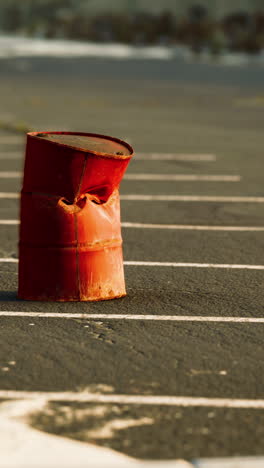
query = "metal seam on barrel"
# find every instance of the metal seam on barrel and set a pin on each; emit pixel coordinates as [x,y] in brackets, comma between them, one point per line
[76,231]
[117,242]
[77,256]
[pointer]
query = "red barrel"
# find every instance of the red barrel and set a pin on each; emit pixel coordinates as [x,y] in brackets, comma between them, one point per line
[70,237]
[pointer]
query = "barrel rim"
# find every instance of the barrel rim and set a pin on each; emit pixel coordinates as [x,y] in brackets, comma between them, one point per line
[77,148]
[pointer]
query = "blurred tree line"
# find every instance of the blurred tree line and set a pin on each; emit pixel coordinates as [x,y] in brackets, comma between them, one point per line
[240,31]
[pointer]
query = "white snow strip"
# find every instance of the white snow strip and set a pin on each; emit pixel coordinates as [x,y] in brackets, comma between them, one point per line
[190,227]
[179,227]
[22,446]
[175,157]
[15,46]
[192,198]
[172,264]
[133,399]
[164,318]
[10,175]
[184,177]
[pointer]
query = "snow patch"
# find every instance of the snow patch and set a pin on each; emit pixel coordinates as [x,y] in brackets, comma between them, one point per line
[14,46]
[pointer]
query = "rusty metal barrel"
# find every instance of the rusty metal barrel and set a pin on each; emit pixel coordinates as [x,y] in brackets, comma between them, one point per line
[70,245]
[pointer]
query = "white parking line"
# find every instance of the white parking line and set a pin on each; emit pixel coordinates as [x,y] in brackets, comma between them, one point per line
[187,227]
[9,195]
[175,157]
[184,227]
[165,198]
[195,265]
[163,318]
[8,260]
[153,177]
[10,175]
[10,155]
[11,139]
[87,397]
[172,264]
[147,156]
[183,177]
[6,222]
[192,198]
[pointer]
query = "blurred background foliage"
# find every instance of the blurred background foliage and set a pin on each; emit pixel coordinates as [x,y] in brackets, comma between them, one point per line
[217,25]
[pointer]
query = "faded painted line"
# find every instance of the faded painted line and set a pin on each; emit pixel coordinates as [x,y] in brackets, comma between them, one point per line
[189,227]
[146,156]
[9,195]
[7,222]
[165,198]
[6,139]
[8,260]
[175,157]
[195,265]
[184,177]
[134,399]
[9,155]
[172,264]
[10,175]
[154,177]
[184,227]
[253,101]
[164,318]
[192,198]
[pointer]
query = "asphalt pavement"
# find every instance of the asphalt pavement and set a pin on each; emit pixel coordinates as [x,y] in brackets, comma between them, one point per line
[160,107]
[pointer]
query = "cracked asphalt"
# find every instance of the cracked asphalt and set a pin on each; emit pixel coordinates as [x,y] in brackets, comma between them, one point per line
[159,107]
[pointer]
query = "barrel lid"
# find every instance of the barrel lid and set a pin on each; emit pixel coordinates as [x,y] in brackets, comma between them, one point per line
[89,142]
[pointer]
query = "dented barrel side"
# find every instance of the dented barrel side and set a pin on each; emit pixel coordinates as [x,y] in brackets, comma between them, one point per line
[70,236]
